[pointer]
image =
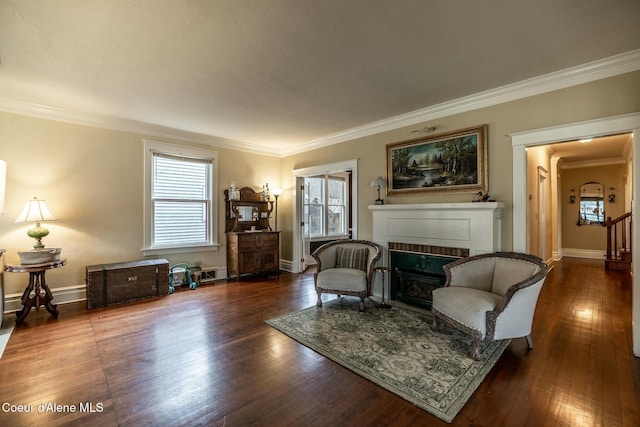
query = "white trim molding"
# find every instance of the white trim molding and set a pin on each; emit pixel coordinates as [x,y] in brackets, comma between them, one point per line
[149,146]
[585,73]
[343,166]
[584,253]
[568,132]
[61,295]
[81,118]
[592,71]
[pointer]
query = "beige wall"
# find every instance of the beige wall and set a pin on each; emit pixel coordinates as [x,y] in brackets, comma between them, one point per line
[590,237]
[604,98]
[92,179]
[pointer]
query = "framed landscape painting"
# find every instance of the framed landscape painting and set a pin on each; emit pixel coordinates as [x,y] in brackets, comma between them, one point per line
[451,162]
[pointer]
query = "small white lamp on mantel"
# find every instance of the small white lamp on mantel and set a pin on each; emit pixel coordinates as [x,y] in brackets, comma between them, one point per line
[379,182]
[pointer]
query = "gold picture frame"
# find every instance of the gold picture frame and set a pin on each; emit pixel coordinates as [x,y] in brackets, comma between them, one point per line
[453,162]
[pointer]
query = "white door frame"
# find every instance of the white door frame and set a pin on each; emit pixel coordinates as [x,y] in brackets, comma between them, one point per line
[543,195]
[573,131]
[347,165]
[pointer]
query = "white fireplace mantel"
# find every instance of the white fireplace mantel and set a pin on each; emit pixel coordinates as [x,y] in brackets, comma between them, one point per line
[473,226]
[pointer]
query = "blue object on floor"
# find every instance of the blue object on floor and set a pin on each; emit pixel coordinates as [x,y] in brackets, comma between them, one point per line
[184,280]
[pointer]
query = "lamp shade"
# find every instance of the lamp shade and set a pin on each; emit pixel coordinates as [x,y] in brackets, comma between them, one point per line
[35,211]
[3,180]
[379,181]
[277,191]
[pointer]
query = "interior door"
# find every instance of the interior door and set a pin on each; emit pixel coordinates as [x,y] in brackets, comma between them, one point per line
[302,241]
[305,239]
[542,213]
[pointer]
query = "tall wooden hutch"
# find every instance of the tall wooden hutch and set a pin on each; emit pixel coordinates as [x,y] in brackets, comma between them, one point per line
[252,247]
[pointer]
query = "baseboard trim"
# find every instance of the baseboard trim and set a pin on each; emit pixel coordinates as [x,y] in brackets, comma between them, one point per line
[286,265]
[69,294]
[584,253]
[63,295]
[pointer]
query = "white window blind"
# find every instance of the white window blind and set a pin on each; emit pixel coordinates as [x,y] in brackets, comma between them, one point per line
[181,200]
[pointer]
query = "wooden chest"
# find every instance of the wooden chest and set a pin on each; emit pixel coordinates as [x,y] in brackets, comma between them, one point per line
[110,284]
[253,253]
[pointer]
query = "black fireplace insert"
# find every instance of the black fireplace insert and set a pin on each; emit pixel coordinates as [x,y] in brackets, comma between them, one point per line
[416,275]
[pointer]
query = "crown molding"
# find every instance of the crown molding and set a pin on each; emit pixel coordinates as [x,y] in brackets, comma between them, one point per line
[13,106]
[592,71]
[573,131]
[609,161]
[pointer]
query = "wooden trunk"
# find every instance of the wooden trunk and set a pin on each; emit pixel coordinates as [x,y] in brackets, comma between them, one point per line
[110,284]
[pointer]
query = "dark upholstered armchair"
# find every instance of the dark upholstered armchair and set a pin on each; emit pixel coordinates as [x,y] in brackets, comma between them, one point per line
[491,296]
[345,267]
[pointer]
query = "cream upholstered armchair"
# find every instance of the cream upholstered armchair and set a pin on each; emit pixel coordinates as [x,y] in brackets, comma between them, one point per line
[491,296]
[345,267]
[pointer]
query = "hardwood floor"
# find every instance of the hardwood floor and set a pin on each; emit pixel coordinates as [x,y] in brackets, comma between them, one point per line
[205,357]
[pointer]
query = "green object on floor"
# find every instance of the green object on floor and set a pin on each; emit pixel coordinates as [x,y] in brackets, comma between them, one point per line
[179,275]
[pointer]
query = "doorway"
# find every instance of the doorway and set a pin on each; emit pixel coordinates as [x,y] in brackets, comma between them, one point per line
[557,173]
[575,131]
[301,240]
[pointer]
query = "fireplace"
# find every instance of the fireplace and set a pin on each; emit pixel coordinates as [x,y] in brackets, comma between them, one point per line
[418,239]
[417,270]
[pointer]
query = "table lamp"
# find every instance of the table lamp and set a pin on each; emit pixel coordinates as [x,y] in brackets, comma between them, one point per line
[379,182]
[36,211]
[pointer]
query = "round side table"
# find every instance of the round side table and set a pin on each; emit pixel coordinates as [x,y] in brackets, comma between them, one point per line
[383,271]
[37,286]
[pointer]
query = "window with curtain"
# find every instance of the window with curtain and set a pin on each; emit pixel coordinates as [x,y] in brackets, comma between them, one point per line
[180,205]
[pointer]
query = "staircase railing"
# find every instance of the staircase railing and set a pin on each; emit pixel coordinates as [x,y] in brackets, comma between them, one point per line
[624,221]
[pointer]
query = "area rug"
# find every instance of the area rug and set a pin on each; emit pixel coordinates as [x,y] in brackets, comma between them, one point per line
[8,324]
[397,350]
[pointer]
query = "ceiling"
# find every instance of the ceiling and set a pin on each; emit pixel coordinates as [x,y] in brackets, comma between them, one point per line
[278,75]
[610,149]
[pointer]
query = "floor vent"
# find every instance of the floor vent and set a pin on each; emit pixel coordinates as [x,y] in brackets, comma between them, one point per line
[208,275]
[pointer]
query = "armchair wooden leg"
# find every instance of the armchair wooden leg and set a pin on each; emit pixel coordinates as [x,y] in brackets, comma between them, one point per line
[361,304]
[434,324]
[319,302]
[475,353]
[529,342]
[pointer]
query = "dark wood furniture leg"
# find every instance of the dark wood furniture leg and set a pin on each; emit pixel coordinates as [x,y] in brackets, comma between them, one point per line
[38,284]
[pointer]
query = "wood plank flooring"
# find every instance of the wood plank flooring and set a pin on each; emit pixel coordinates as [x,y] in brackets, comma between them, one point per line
[205,357]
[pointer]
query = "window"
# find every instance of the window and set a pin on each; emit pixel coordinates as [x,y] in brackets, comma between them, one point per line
[336,206]
[179,203]
[591,210]
[325,205]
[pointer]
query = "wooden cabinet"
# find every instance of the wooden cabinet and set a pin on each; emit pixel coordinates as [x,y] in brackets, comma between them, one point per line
[252,253]
[252,247]
[249,211]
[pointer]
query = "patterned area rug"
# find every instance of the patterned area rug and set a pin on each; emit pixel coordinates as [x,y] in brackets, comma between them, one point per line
[397,350]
